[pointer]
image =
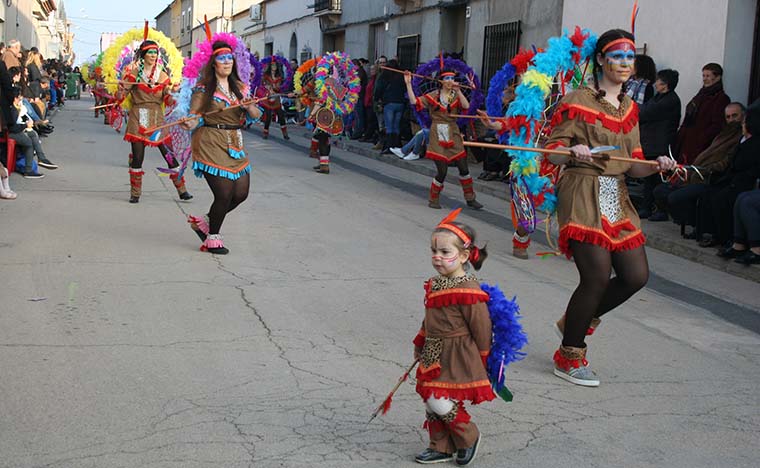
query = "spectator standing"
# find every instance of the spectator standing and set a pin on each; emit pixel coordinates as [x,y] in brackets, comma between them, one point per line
[658,124]
[390,91]
[377,105]
[370,118]
[704,115]
[359,120]
[12,54]
[640,87]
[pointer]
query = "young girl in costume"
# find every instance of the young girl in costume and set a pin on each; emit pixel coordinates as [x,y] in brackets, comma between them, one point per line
[272,82]
[217,141]
[453,345]
[149,87]
[446,145]
[598,223]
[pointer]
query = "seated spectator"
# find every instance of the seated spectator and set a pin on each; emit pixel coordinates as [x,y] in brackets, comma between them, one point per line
[746,246]
[415,147]
[26,138]
[717,204]
[658,124]
[681,201]
[42,127]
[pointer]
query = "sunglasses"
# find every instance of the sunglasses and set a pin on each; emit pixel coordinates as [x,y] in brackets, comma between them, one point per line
[224,58]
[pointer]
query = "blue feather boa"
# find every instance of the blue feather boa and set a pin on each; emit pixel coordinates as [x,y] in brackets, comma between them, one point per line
[508,336]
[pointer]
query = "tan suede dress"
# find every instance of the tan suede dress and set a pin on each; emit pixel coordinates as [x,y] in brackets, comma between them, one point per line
[593,204]
[446,143]
[147,111]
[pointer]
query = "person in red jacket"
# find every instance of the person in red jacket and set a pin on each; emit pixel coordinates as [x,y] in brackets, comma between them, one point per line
[703,119]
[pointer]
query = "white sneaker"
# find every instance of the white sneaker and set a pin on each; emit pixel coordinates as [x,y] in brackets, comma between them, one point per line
[397,152]
[412,157]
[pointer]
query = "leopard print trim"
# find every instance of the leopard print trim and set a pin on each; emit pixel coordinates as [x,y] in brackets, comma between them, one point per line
[431,351]
[609,109]
[449,417]
[431,417]
[610,203]
[442,282]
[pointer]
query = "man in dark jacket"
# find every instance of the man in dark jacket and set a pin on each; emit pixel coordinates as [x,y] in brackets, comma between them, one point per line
[717,205]
[658,124]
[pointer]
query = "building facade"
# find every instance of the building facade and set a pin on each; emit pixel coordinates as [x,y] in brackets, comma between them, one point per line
[38,23]
[685,35]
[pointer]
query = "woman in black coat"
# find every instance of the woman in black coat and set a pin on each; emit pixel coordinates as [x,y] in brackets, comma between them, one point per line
[658,124]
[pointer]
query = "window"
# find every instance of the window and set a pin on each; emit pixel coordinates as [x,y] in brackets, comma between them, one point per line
[189,25]
[268,49]
[408,52]
[500,44]
[183,23]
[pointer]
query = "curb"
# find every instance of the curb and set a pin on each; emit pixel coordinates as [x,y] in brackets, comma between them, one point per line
[668,242]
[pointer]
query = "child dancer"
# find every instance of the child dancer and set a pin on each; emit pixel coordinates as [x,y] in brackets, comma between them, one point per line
[453,345]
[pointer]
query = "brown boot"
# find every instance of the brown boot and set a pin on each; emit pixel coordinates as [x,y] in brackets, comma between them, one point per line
[135,183]
[570,364]
[314,149]
[324,165]
[520,246]
[179,184]
[469,192]
[434,198]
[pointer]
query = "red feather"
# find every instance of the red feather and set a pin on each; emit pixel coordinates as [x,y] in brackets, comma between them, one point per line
[387,404]
[440,57]
[522,60]
[451,217]
[634,14]
[145,31]
[208,27]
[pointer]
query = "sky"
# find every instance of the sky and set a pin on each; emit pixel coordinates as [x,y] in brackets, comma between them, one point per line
[90,18]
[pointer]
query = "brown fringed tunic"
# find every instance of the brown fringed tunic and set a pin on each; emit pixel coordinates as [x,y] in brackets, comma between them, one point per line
[147,110]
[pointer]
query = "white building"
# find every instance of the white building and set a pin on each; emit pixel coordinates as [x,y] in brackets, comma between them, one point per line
[683,35]
[284,27]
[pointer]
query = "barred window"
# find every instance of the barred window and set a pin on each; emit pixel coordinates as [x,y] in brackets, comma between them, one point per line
[408,51]
[501,43]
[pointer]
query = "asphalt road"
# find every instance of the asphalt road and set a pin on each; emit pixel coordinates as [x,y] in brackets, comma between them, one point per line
[122,345]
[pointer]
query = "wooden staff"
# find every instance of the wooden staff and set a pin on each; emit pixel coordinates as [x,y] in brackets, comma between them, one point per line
[559,152]
[104,105]
[148,131]
[461,116]
[386,404]
[422,76]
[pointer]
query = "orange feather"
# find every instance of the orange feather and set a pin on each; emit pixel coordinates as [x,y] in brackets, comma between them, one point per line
[451,217]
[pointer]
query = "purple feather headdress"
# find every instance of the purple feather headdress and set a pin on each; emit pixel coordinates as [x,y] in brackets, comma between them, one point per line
[285,66]
[422,86]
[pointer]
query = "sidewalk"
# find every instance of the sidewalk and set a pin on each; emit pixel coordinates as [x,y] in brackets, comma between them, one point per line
[663,236]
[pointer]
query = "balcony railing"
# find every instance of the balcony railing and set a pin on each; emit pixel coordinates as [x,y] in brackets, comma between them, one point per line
[322,7]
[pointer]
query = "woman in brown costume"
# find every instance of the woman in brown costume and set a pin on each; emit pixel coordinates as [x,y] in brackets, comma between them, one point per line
[272,81]
[217,142]
[446,145]
[599,226]
[150,89]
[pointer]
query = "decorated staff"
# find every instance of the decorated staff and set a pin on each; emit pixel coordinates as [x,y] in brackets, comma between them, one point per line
[434,109]
[142,77]
[216,101]
[278,76]
[336,90]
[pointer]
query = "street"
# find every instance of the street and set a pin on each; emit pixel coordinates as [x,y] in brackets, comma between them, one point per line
[122,345]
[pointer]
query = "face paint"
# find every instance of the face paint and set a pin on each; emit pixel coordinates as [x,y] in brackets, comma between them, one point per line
[619,57]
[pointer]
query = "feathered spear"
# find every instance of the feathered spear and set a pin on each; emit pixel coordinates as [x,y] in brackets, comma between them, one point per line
[386,404]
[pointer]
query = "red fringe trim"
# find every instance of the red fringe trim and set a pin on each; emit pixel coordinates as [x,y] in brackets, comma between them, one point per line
[597,238]
[566,364]
[446,144]
[463,417]
[613,230]
[626,124]
[428,374]
[434,427]
[520,245]
[136,139]
[419,340]
[455,297]
[638,153]
[439,157]
[475,395]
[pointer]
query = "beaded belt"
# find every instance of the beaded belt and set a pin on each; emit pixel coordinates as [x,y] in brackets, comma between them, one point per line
[223,126]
